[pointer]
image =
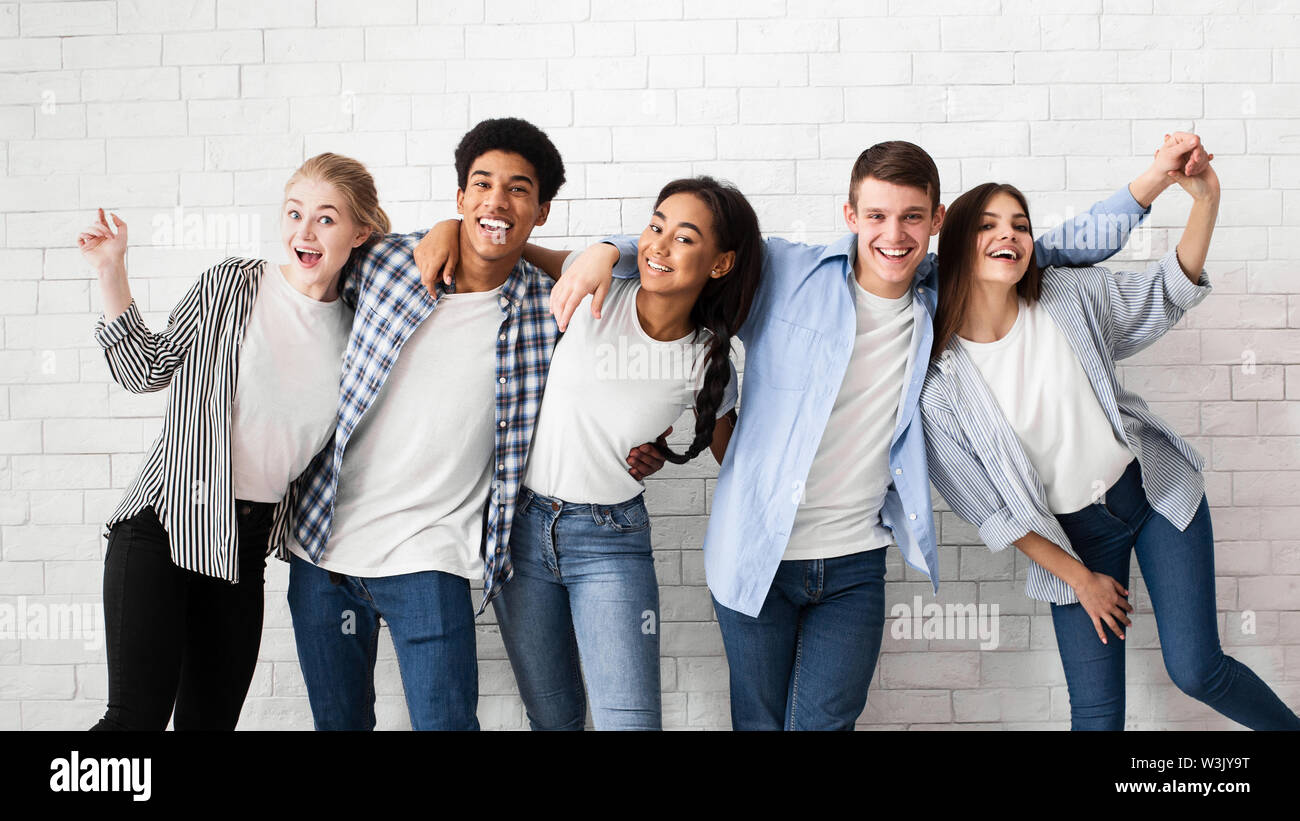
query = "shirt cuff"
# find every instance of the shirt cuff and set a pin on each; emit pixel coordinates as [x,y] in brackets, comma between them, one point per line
[1179,290]
[1001,530]
[108,334]
[1123,202]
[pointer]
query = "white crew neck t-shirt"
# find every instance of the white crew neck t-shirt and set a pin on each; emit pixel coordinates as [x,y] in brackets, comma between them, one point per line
[1046,397]
[839,513]
[286,388]
[610,388]
[417,470]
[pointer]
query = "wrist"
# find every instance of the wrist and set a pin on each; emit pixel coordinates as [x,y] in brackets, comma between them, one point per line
[1149,185]
[114,270]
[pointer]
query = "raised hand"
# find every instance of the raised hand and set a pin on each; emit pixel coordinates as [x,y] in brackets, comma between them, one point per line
[1182,151]
[103,248]
[1203,185]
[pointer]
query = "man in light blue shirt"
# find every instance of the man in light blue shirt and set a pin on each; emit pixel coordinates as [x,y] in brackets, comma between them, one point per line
[826,465]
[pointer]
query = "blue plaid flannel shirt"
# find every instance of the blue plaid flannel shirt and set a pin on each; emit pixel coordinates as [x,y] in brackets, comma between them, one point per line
[391,302]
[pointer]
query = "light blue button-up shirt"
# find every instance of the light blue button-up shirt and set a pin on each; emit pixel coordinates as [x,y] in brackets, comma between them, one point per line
[798,341]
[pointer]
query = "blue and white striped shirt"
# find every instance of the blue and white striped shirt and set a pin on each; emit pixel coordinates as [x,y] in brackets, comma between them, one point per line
[977,462]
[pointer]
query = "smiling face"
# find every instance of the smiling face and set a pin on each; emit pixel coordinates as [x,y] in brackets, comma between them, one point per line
[500,205]
[678,251]
[1003,243]
[894,224]
[317,229]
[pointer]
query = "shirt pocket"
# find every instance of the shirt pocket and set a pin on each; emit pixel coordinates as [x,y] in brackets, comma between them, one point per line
[788,355]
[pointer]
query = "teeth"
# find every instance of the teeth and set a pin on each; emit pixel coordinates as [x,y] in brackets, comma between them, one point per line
[489,222]
[1005,253]
[656,266]
[893,252]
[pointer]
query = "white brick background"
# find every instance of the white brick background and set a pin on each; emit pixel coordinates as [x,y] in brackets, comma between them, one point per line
[146,105]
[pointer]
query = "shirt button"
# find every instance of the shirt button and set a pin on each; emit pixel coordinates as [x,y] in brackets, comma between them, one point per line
[502,380]
[501,424]
[501,467]
[911,516]
[898,471]
[502,337]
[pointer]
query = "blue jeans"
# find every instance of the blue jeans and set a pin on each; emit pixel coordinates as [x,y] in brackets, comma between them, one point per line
[336,625]
[1178,568]
[806,662]
[584,590]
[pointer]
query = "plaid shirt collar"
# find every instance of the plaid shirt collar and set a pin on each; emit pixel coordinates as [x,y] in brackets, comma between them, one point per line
[391,304]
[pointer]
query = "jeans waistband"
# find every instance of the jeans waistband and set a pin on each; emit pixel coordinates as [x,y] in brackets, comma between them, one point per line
[1122,499]
[563,508]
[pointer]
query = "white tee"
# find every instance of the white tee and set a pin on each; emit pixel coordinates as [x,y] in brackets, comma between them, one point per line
[417,470]
[1044,393]
[287,388]
[840,511]
[610,388]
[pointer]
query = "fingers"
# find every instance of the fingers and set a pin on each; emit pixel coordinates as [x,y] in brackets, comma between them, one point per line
[566,306]
[644,460]
[1101,634]
[1115,628]
[598,300]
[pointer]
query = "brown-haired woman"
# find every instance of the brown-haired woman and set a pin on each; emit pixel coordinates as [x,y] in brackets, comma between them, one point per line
[252,355]
[1031,437]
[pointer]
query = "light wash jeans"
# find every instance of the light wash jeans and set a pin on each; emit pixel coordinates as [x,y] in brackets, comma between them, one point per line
[583,601]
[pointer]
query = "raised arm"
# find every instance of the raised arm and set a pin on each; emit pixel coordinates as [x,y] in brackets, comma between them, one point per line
[1100,232]
[138,360]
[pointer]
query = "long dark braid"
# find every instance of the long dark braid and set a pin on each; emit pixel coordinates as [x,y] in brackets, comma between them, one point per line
[724,303]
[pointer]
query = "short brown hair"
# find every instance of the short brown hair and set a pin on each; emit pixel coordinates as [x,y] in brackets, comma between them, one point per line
[899,162]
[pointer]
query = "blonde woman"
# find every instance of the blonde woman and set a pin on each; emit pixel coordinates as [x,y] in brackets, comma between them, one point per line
[252,356]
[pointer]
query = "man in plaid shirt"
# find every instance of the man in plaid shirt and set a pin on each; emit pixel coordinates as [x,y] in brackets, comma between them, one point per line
[435,442]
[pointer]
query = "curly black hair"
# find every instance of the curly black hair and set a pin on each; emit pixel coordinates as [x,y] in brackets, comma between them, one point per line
[516,136]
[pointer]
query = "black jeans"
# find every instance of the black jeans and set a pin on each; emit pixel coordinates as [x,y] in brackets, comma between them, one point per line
[176,638]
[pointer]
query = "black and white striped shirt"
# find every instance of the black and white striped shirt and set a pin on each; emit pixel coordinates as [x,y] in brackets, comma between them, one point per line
[186,476]
[976,460]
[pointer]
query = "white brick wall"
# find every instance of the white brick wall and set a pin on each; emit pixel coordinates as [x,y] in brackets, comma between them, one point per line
[146,105]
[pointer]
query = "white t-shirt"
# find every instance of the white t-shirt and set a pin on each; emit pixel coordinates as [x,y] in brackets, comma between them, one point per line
[840,511]
[1044,393]
[287,388]
[417,469]
[610,388]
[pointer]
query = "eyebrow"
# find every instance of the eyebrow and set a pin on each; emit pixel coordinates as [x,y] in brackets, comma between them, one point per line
[515,178]
[914,208]
[1013,216]
[689,225]
[326,205]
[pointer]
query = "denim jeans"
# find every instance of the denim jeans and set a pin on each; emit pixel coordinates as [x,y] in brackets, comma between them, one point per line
[176,637]
[431,620]
[583,601]
[806,661]
[1178,568]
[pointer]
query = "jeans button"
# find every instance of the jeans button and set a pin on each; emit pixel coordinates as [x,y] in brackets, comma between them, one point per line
[555,505]
[245,509]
